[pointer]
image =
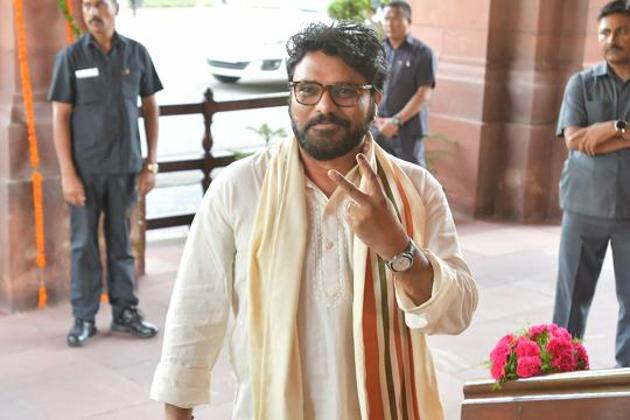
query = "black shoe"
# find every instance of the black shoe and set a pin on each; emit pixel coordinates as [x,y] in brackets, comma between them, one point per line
[130,321]
[80,333]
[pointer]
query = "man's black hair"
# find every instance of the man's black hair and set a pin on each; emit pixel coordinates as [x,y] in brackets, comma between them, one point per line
[403,6]
[357,45]
[616,6]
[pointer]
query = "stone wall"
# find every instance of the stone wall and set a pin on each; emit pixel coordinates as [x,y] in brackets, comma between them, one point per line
[502,70]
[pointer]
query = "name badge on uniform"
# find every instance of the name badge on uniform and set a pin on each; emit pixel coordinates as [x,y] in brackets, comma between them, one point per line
[86,73]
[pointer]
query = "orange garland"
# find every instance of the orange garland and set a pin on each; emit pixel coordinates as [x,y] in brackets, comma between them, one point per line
[69,33]
[27,93]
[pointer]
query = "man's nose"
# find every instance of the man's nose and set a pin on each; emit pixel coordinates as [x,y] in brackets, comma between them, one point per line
[326,103]
[612,37]
[92,10]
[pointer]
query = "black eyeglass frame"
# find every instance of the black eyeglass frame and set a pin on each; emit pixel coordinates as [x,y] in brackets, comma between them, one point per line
[366,86]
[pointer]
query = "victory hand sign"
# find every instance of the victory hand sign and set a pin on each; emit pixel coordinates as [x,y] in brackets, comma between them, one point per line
[372,221]
[368,213]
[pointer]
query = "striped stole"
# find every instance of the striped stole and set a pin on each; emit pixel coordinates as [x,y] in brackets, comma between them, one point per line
[395,373]
[397,363]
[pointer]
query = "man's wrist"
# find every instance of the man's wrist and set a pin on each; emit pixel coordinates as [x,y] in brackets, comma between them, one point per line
[395,245]
[71,174]
[396,121]
[152,167]
[174,412]
[620,127]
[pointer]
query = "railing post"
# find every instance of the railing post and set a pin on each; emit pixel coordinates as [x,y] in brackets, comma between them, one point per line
[207,142]
[207,161]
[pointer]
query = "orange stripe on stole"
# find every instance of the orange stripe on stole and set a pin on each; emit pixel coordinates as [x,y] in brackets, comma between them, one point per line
[406,208]
[409,226]
[370,342]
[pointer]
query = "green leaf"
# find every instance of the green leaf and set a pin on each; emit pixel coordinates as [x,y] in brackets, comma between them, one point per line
[268,133]
[63,7]
[432,154]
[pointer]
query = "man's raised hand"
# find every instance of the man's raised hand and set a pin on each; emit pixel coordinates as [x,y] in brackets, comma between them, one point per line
[368,213]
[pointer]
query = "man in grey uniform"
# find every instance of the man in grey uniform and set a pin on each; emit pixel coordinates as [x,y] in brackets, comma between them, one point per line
[595,187]
[95,87]
[410,82]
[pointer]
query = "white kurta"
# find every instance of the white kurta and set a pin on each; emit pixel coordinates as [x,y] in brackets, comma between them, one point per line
[212,280]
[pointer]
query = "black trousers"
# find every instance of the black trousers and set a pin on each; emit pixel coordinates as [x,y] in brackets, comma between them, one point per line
[583,244]
[113,196]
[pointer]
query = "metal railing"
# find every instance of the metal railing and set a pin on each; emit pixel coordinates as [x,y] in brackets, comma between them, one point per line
[207,161]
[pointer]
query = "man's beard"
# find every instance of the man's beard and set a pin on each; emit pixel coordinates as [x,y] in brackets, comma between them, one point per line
[327,147]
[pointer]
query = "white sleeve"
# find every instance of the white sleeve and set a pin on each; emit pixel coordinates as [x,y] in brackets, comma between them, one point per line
[197,316]
[454,295]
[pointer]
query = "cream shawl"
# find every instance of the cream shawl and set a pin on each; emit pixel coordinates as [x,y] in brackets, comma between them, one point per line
[394,370]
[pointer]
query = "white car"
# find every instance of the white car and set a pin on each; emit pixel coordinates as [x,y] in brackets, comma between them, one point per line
[249,37]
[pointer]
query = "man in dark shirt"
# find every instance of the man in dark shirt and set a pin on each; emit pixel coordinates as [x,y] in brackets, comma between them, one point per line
[403,114]
[95,87]
[594,188]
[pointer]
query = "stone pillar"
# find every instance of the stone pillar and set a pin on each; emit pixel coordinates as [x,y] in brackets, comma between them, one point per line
[19,275]
[544,44]
[502,70]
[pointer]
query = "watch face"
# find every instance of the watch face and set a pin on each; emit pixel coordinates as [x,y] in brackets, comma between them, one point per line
[402,263]
[620,125]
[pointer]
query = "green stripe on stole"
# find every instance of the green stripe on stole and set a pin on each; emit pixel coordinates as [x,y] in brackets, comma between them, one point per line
[391,392]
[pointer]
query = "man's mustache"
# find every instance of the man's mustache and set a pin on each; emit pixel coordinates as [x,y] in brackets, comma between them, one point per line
[95,19]
[327,119]
[614,48]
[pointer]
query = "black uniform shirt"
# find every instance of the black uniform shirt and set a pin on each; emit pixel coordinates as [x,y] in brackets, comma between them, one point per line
[411,65]
[103,90]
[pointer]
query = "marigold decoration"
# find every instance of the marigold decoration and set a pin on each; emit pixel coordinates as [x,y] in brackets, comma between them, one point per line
[67,9]
[27,93]
[541,349]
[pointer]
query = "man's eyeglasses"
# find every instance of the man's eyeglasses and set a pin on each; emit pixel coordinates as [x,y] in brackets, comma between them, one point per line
[342,94]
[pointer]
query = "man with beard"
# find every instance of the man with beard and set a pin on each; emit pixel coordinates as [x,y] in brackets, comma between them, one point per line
[594,188]
[95,87]
[334,258]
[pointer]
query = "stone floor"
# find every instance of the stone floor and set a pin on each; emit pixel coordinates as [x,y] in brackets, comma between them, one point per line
[41,378]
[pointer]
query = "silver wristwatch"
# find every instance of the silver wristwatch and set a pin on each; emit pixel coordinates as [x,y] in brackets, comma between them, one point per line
[403,261]
[396,120]
[152,167]
[620,127]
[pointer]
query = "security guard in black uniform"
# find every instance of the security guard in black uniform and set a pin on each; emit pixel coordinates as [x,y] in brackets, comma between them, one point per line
[95,87]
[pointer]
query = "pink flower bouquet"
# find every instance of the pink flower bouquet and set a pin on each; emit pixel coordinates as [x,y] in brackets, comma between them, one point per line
[541,349]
